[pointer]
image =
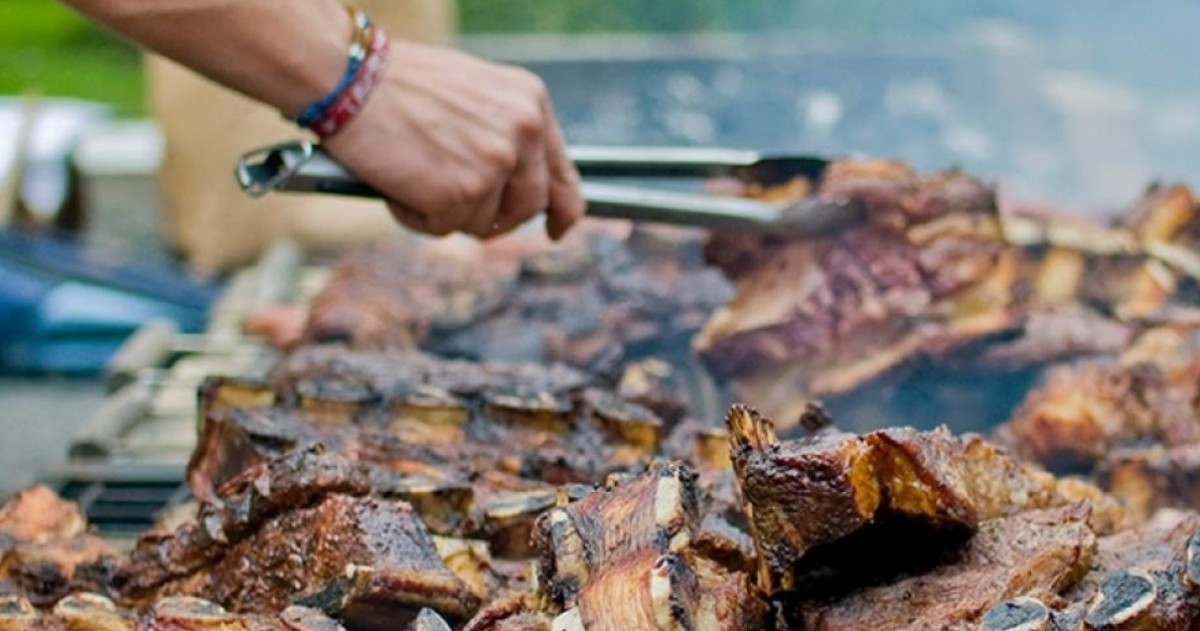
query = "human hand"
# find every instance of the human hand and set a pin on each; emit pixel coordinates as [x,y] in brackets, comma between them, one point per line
[456,143]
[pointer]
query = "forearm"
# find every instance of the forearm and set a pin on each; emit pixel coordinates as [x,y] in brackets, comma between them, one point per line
[286,53]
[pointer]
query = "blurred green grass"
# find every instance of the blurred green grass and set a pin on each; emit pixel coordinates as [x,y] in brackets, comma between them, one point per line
[47,48]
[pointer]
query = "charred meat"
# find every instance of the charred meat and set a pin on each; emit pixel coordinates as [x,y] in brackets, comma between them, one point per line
[43,540]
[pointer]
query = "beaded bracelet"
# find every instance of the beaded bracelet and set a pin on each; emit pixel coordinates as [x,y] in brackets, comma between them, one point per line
[368,51]
[352,99]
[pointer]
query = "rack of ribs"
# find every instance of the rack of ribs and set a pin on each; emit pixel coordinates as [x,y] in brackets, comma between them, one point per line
[595,295]
[942,294]
[478,449]
[1130,422]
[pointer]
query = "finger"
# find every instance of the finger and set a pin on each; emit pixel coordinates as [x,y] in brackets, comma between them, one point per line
[526,194]
[415,221]
[566,205]
[485,221]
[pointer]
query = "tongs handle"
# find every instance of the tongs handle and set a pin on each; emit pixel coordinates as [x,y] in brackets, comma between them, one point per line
[304,167]
[751,167]
[667,162]
[679,208]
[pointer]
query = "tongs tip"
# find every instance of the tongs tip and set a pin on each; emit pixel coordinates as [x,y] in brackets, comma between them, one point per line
[813,216]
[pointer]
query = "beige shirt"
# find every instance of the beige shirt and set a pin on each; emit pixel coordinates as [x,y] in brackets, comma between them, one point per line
[207,127]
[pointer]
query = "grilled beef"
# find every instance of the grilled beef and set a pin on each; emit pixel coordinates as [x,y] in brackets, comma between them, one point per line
[928,490]
[658,511]
[1034,554]
[1151,478]
[627,558]
[288,531]
[939,304]
[296,480]
[43,539]
[1130,421]
[477,449]
[928,271]
[1081,414]
[1039,553]
[91,612]
[514,613]
[575,303]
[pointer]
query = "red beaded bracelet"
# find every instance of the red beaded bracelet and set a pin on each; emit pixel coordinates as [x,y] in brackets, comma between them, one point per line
[353,96]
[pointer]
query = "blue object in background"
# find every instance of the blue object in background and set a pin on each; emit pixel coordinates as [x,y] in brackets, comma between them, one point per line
[63,312]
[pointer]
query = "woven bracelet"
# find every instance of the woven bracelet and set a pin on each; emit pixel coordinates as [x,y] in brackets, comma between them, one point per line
[350,102]
[359,47]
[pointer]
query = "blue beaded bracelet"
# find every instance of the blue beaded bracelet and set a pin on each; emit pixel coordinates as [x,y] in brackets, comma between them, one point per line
[316,111]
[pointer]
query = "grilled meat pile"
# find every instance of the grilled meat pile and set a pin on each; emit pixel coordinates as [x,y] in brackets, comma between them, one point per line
[894,529]
[1129,421]
[939,304]
[510,446]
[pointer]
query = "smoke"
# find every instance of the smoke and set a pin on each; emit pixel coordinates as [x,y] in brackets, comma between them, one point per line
[1080,104]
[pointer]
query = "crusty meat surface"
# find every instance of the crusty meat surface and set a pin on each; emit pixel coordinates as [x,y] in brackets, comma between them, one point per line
[43,540]
[1151,478]
[634,557]
[513,613]
[827,315]
[1083,413]
[92,612]
[930,490]
[39,514]
[477,448]
[593,295]
[298,528]
[1036,553]
[1163,549]
[657,511]
[295,480]
[360,559]
[938,281]
[389,297]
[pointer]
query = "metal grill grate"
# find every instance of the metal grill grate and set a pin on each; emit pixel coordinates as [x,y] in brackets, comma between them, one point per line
[120,500]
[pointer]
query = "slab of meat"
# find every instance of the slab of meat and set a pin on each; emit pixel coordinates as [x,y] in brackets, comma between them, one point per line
[657,511]
[577,303]
[881,321]
[289,531]
[1034,554]
[1081,414]
[891,502]
[1144,578]
[297,480]
[625,558]
[1151,478]
[1130,421]
[43,539]
[823,316]
[477,449]
[388,296]
[515,613]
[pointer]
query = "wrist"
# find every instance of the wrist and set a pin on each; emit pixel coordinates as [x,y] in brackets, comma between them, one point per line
[318,65]
[366,59]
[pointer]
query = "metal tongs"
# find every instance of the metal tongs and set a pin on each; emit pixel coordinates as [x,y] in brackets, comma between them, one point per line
[302,166]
